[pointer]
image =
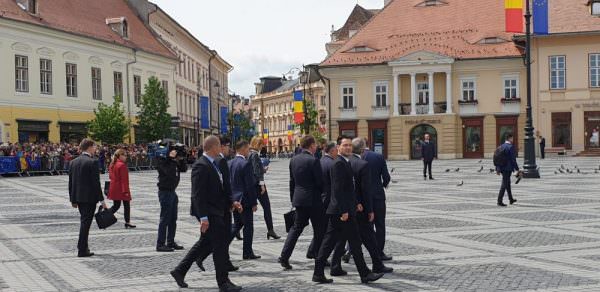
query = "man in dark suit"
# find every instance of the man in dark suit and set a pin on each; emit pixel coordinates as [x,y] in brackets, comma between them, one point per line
[85,191]
[224,168]
[210,204]
[365,215]
[506,170]
[329,156]
[542,147]
[305,195]
[342,223]
[428,153]
[380,179]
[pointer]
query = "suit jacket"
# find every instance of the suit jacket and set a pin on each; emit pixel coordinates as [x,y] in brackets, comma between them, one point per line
[362,182]
[243,185]
[326,165]
[224,168]
[119,182]
[84,180]
[343,196]
[305,180]
[428,150]
[208,194]
[380,176]
[257,167]
[511,158]
[543,142]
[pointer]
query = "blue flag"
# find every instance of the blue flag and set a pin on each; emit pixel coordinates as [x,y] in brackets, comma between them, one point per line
[540,16]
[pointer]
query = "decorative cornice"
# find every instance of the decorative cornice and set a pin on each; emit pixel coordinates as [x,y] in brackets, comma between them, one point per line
[21,47]
[44,51]
[94,60]
[70,56]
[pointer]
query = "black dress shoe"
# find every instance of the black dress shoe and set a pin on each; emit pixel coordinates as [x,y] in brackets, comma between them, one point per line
[513,201]
[285,264]
[164,248]
[321,279]
[229,287]
[175,246]
[251,257]
[346,257]
[127,226]
[271,233]
[385,257]
[179,279]
[338,273]
[383,270]
[86,254]
[501,204]
[200,265]
[371,277]
[431,178]
[238,236]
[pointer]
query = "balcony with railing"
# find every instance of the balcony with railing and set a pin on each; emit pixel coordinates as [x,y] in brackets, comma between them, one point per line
[423,109]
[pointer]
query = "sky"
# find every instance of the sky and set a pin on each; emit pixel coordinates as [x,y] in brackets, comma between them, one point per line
[263,37]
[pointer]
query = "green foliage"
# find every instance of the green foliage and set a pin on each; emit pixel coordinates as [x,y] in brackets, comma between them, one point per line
[242,122]
[153,120]
[311,124]
[110,125]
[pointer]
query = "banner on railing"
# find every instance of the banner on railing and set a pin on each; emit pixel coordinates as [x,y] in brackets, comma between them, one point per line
[9,164]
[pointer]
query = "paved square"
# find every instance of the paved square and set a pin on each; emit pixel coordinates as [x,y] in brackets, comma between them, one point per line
[443,237]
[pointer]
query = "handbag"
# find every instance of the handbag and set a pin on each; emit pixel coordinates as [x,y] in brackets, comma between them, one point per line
[106,187]
[289,218]
[105,218]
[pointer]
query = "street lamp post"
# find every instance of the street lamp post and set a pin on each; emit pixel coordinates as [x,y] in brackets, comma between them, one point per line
[304,79]
[529,165]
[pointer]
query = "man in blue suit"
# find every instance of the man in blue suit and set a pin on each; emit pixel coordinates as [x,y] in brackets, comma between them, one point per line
[243,191]
[380,179]
[428,153]
[510,164]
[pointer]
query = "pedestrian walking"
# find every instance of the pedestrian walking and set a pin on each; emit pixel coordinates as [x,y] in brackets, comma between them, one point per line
[210,203]
[85,192]
[305,196]
[505,160]
[259,171]
[119,185]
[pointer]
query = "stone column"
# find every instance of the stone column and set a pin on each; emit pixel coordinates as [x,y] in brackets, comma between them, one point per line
[431,93]
[396,95]
[448,92]
[413,93]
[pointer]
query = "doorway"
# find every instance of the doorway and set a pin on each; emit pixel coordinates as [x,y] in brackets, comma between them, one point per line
[592,128]
[378,137]
[473,137]
[416,137]
[561,130]
[505,126]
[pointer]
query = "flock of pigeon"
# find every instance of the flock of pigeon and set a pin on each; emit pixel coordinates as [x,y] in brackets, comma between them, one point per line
[565,170]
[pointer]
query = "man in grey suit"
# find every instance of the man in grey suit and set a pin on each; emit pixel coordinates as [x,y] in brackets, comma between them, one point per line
[85,191]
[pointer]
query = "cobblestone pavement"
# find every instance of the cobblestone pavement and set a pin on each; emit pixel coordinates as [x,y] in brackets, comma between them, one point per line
[443,237]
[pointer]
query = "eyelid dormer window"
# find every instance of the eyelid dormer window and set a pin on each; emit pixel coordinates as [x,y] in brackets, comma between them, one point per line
[28,5]
[595,7]
[428,3]
[491,40]
[119,25]
[360,49]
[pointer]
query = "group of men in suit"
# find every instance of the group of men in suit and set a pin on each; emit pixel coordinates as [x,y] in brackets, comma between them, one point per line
[338,194]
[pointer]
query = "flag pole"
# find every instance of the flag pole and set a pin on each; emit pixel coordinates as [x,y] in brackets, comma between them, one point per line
[530,169]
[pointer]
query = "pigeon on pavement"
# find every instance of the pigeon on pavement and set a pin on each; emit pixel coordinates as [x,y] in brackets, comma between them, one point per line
[460,184]
[481,169]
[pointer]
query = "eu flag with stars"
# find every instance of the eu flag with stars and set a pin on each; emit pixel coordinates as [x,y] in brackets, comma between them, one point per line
[540,16]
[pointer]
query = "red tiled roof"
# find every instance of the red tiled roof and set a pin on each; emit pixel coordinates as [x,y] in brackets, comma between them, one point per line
[357,18]
[571,16]
[453,30]
[88,18]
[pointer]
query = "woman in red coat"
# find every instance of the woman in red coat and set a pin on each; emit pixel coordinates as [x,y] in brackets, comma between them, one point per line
[119,185]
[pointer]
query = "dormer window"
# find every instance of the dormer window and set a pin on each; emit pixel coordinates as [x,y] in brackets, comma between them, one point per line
[427,3]
[28,5]
[359,49]
[119,25]
[491,40]
[595,7]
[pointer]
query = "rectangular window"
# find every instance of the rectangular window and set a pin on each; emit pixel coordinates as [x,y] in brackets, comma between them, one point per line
[323,101]
[96,84]
[423,92]
[137,89]
[348,97]
[594,70]
[558,71]
[21,73]
[71,80]
[381,93]
[118,84]
[468,89]
[45,76]
[511,87]
[165,87]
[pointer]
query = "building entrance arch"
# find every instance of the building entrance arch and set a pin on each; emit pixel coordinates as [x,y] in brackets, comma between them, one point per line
[416,137]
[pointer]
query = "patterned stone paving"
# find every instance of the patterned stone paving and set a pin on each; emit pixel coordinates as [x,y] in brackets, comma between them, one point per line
[443,237]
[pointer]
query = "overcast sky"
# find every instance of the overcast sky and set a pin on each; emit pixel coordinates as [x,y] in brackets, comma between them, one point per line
[263,37]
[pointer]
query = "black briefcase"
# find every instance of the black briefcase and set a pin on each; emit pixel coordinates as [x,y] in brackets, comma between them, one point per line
[105,218]
[289,219]
[106,187]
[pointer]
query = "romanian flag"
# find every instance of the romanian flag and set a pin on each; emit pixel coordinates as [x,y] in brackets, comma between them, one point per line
[298,107]
[290,133]
[266,136]
[514,15]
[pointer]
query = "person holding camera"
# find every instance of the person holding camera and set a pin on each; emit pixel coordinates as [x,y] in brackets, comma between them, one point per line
[169,169]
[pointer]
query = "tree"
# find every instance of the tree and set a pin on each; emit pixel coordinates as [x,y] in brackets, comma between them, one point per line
[153,120]
[242,126]
[110,125]
[311,117]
